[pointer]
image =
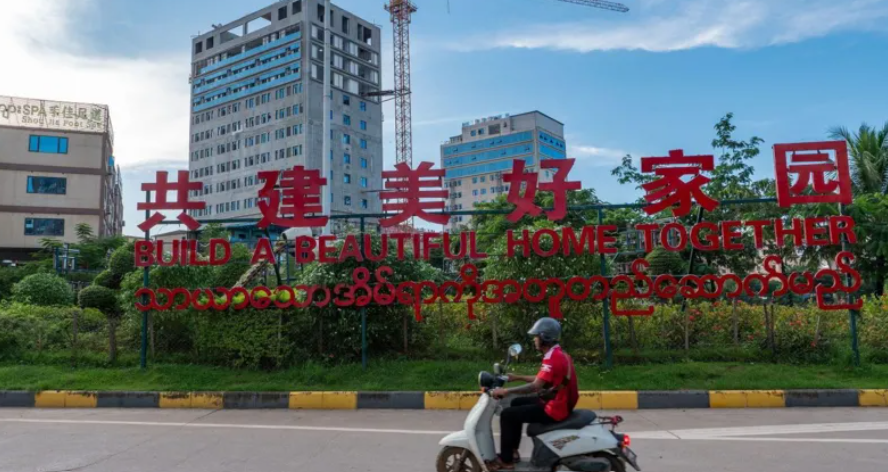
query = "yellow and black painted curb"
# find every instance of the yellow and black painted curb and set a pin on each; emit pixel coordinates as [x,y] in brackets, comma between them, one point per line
[594,400]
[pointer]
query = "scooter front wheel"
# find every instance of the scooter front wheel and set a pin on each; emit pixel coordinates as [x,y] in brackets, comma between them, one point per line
[449,458]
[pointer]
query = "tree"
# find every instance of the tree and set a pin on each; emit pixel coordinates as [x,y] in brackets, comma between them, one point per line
[666,262]
[338,330]
[104,300]
[731,179]
[870,212]
[868,153]
[43,290]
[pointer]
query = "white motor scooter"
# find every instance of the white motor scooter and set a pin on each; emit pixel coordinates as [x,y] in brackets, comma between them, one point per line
[583,442]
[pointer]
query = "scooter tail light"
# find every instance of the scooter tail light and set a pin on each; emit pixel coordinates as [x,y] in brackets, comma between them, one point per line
[626,441]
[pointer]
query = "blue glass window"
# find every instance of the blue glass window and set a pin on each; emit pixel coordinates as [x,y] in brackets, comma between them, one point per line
[48,144]
[363,144]
[346,139]
[346,120]
[346,100]
[363,162]
[348,200]
[364,203]
[48,185]
[363,125]
[364,182]
[346,178]
[347,159]
[363,106]
[44,227]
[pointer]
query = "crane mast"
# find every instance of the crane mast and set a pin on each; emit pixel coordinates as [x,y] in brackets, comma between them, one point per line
[401,11]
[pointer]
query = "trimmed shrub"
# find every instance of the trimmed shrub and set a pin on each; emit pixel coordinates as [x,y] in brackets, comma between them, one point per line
[43,290]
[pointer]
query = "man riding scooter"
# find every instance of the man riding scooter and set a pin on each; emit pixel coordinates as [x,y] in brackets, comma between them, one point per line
[555,384]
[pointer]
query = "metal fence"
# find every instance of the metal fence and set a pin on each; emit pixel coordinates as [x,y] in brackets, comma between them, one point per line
[285,272]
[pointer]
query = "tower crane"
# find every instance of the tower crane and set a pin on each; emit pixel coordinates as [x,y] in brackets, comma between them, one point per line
[401,12]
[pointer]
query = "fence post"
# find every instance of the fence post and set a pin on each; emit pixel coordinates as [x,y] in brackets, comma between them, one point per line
[852,314]
[146,281]
[608,354]
[363,313]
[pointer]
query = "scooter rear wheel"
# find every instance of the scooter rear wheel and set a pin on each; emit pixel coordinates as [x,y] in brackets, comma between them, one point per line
[449,457]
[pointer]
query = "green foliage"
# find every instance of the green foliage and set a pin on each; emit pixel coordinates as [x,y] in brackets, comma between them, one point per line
[100,298]
[868,149]
[104,279]
[666,262]
[43,290]
[228,275]
[336,332]
[122,262]
[28,330]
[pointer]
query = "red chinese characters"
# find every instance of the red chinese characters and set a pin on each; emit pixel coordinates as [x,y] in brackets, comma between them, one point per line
[160,188]
[409,197]
[301,190]
[818,178]
[524,204]
[670,190]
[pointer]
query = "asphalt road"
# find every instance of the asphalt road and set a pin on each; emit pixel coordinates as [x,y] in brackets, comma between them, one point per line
[100,440]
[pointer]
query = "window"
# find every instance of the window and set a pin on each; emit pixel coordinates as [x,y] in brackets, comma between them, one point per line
[48,185]
[474,180]
[346,120]
[474,133]
[347,201]
[364,203]
[347,159]
[198,48]
[346,178]
[48,144]
[475,192]
[363,163]
[344,24]
[363,144]
[483,179]
[282,13]
[346,100]
[346,139]
[297,7]
[363,106]
[363,125]
[483,191]
[44,227]
[210,43]
[364,182]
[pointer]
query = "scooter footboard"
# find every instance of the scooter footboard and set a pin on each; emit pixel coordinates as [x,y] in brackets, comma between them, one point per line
[587,464]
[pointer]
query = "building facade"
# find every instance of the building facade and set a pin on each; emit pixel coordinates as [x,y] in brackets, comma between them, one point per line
[257,105]
[475,160]
[57,171]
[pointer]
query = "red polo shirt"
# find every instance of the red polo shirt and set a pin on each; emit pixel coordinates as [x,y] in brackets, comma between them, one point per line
[557,365]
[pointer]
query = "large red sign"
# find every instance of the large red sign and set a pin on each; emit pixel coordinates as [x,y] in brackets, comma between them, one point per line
[414,193]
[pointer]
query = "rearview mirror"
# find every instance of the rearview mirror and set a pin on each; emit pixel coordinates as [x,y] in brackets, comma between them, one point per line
[514,350]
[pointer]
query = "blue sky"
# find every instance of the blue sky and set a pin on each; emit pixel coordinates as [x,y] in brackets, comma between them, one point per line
[654,79]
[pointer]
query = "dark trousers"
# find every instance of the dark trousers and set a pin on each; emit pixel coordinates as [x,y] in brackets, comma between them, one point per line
[523,410]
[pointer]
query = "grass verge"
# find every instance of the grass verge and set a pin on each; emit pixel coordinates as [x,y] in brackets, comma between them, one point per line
[436,375]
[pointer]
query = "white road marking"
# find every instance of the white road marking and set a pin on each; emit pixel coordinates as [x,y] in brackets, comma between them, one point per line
[760,430]
[712,434]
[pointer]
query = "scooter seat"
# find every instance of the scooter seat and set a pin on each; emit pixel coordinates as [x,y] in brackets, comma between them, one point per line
[579,419]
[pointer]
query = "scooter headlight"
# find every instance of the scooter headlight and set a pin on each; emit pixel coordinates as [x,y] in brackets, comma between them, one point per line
[486,380]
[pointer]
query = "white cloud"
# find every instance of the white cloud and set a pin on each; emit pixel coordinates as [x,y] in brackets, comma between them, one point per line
[659,26]
[596,156]
[148,96]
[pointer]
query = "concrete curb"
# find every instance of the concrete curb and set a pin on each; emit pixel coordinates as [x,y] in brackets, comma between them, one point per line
[595,400]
